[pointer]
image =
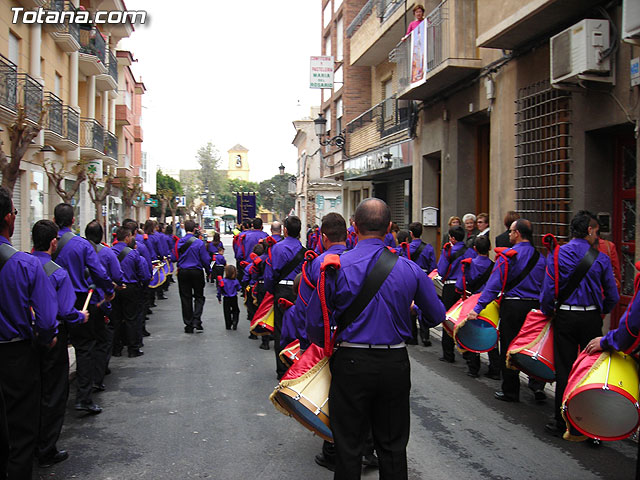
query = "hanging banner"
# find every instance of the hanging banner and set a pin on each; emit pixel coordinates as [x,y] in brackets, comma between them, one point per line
[245,205]
[321,75]
[94,167]
[419,52]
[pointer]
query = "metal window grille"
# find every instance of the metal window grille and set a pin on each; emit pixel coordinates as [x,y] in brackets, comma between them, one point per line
[543,159]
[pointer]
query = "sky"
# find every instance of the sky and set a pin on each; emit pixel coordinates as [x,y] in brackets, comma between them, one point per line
[225,72]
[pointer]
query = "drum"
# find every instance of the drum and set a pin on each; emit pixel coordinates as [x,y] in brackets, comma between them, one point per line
[437,281]
[532,349]
[303,392]
[263,319]
[165,268]
[172,267]
[479,335]
[158,276]
[291,353]
[601,398]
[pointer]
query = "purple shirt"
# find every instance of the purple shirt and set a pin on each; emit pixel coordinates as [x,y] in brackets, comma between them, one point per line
[110,263]
[289,331]
[281,253]
[77,255]
[230,288]
[528,288]
[194,257]
[599,278]
[386,320]
[625,337]
[61,283]
[161,245]
[427,258]
[143,250]
[389,240]
[251,239]
[23,285]
[220,260]
[352,238]
[453,271]
[132,265]
[476,269]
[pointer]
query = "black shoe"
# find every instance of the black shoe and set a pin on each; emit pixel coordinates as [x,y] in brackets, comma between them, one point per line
[91,408]
[323,462]
[188,329]
[116,353]
[553,429]
[199,329]
[540,396]
[493,376]
[472,375]
[162,297]
[502,397]
[265,346]
[426,343]
[107,371]
[370,460]
[252,336]
[99,387]
[51,460]
[153,305]
[145,333]
[234,326]
[135,353]
[148,312]
[413,341]
[447,360]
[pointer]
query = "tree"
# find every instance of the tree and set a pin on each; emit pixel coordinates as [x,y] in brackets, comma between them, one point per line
[57,177]
[98,195]
[275,196]
[209,159]
[167,188]
[130,193]
[21,134]
[225,196]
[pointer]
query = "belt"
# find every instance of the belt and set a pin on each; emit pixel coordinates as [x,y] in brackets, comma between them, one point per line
[368,345]
[261,282]
[522,298]
[285,282]
[449,282]
[577,308]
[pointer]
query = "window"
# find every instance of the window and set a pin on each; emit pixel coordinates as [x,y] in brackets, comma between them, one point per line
[387,93]
[543,159]
[36,197]
[327,45]
[14,48]
[338,78]
[339,115]
[127,95]
[238,161]
[336,5]
[339,39]
[57,87]
[326,14]
[327,115]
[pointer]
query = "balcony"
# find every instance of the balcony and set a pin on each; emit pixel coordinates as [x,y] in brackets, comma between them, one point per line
[71,123]
[510,25]
[109,80]
[137,134]
[92,51]
[8,90]
[377,29]
[30,95]
[91,139]
[61,124]
[30,4]
[67,34]
[384,123]
[384,161]
[111,148]
[124,161]
[124,116]
[439,53]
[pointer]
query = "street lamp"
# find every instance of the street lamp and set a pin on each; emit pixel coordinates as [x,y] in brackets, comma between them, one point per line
[320,125]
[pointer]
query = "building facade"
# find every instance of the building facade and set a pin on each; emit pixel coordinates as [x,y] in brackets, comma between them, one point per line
[238,166]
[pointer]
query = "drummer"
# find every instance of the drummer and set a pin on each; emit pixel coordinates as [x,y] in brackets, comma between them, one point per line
[578,318]
[523,283]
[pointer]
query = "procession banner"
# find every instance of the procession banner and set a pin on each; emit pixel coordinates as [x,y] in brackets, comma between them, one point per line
[245,205]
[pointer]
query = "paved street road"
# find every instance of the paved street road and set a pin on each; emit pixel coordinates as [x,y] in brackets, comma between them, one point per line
[196,406]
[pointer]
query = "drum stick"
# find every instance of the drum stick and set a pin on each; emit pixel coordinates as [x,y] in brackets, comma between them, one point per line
[86,302]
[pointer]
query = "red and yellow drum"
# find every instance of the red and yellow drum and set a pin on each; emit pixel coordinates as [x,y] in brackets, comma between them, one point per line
[437,281]
[291,353]
[303,392]
[532,349]
[479,335]
[601,398]
[263,320]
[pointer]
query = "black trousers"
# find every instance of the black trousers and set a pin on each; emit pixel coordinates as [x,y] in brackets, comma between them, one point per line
[191,288]
[20,380]
[512,315]
[101,351]
[572,331]
[83,339]
[370,389]
[126,318]
[231,311]
[54,374]
[4,437]
[473,361]
[449,298]
[281,291]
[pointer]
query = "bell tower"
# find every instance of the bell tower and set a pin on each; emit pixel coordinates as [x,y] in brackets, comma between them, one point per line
[238,163]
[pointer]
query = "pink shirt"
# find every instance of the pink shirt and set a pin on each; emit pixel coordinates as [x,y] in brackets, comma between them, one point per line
[413,25]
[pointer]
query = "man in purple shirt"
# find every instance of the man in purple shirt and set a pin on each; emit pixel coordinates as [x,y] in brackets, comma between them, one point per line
[520,296]
[276,231]
[450,269]
[54,362]
[370,369]
[76,255]
[284,263]
[23,286]
[578,318]
[252,237]
[192,258]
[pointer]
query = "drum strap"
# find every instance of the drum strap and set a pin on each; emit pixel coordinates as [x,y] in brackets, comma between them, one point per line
[61,243]
[526,271]
[186,245]
[578,274]
[6,252]
[291,265]
[123,254]
[51,267]
[376,277]
[416,255]
[481,280]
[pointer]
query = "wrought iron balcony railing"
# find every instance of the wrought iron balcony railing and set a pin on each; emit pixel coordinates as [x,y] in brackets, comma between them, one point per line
[92,42]
[390,116]
[91,134]
[8,84]
[31,96]
[72,28]
[71,121]
[54,121]
[113,66]
[111,145]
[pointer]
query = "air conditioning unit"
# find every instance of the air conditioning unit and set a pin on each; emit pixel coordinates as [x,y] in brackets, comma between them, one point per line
[631,21]
[576,52]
